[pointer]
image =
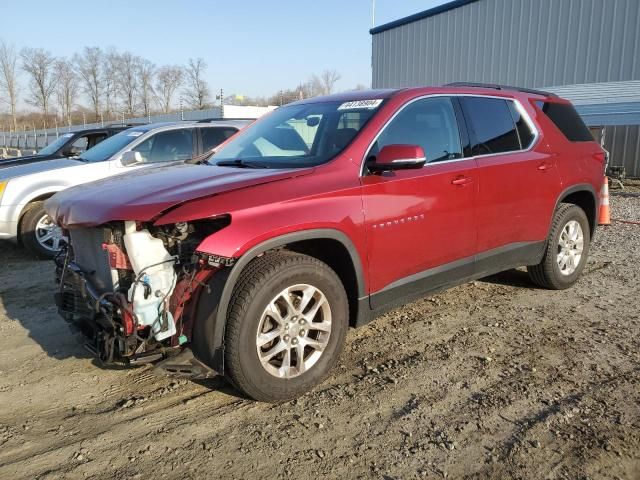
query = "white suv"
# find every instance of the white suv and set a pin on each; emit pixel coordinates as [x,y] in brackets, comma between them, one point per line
[24,188]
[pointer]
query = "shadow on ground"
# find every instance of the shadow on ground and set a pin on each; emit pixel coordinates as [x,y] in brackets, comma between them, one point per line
[27,287]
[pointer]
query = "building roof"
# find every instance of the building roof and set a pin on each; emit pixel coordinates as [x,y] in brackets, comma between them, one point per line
[604,92]
[445,7]
[604,104]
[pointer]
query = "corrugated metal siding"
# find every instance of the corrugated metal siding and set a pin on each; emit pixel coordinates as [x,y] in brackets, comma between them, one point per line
[520,42]
[528,43]
[623,143]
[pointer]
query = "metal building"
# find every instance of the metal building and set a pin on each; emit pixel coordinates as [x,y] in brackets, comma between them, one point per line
[558,45]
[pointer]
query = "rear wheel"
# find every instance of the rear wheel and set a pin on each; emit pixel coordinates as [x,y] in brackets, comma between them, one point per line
[39,234]
[567,249]
[287,322]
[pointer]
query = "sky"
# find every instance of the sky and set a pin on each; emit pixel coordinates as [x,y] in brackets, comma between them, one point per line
[252,47]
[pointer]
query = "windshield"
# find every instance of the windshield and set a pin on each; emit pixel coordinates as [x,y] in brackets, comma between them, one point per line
[109,147]
[54,146]
[298,136]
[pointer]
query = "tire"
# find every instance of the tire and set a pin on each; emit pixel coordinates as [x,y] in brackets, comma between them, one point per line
[549,273]
[267,281]
[34,214]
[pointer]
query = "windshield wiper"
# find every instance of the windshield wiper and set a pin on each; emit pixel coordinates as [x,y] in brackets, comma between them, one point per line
[200,159]
[240,164]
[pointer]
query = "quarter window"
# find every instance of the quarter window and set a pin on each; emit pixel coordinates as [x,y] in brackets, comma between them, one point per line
[429,123]
[492,124]
[565,117]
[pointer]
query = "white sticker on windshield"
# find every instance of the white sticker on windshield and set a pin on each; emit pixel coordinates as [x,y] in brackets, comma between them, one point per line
[359,104]
[67,135]
[134,134]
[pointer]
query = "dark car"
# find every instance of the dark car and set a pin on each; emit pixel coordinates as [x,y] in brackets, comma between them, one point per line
[68,145]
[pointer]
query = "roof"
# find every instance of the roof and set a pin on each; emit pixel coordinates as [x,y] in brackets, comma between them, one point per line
[604,104]
[604,92]
[445,7]
[351,96]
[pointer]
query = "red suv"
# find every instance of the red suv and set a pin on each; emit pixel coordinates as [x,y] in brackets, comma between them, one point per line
[254,263]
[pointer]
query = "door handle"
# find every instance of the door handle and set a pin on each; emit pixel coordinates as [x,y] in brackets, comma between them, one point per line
[544,166]
[461,181]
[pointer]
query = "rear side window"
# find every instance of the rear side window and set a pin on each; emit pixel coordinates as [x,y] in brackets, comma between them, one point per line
[565,117]
[214,136]
[492,124]
[525,133]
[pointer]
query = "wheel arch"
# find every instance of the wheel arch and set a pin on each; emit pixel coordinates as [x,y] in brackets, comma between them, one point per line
[583,196]
[39,197]
[329,245]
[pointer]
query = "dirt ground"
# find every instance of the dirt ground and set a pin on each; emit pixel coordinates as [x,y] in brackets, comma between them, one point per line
[493,379]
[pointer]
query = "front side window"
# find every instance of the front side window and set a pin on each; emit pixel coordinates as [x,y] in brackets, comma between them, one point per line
[429,123]
[298,135]
[112,145]
[54,146]
[79,145]
[492,124]
[169,146]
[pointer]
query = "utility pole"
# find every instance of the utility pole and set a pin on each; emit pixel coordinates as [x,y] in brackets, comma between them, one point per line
[181,109]
[373,13]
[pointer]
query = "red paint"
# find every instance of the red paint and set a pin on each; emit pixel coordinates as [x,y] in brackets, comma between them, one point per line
[400,222]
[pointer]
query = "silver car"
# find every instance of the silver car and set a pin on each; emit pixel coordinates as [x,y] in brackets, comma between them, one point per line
[24,188]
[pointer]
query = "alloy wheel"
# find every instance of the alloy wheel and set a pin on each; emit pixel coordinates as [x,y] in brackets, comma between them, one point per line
[293,331]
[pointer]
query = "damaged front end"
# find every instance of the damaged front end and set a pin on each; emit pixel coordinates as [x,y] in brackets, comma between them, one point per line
[131,288]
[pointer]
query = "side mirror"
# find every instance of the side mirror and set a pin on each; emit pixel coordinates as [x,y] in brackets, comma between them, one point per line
[397,157]
[131,158]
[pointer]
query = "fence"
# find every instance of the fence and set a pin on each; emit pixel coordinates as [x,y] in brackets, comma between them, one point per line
[37,139]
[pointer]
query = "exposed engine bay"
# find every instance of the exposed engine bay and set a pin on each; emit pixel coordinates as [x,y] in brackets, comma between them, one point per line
[130,288]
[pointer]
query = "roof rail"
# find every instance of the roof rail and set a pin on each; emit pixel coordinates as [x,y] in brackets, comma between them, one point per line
[220,119]
[127,124]
[501,87]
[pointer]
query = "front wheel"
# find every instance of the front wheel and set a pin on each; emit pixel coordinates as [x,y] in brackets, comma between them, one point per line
[567,249]
[39,234]
[287,322]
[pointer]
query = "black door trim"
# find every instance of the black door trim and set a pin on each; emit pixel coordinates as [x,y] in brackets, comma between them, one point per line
[445,276]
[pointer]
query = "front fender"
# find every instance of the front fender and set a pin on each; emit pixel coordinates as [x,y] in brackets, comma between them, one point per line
[211,312]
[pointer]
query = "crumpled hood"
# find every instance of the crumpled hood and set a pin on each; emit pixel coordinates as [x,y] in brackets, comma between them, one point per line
[27,167]
[144,194]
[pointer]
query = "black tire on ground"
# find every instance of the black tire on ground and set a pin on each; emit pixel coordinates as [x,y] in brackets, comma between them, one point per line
[259,283]
[35,211]
[547,273]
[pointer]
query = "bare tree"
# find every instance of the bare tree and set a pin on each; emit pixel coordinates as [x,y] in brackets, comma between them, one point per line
[324,83]
[67,87]
[110,82]
[168,79]
[9,78]
[146,74]
[89,65]
[38,63]
[197,90]
[128,84]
